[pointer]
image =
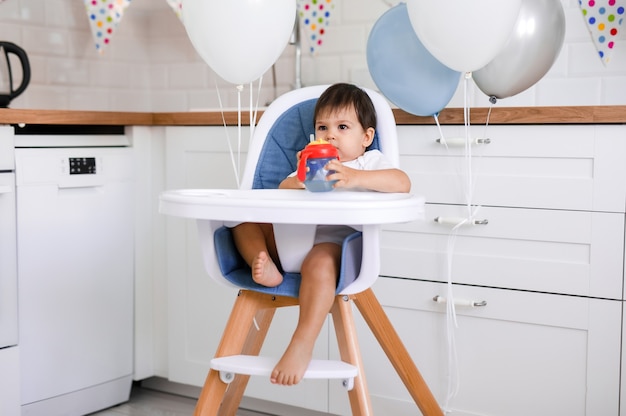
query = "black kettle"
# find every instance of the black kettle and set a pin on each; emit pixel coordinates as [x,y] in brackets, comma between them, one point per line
[7,91]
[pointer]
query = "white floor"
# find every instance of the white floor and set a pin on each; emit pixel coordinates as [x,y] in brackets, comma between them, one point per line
[156,396]
[147,402]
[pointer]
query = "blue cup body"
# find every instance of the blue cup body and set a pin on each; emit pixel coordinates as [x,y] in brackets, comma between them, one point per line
[315,180]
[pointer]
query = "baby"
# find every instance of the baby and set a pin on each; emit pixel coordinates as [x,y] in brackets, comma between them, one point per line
[345,117]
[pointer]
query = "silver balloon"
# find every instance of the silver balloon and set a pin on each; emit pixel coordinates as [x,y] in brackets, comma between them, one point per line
[532,48]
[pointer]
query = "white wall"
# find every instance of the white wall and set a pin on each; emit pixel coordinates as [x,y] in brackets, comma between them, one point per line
[151,66]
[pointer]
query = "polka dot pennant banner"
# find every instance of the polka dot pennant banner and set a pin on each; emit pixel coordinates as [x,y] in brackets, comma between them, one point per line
[104,16]
[177,6]
[603,19]
[314,17]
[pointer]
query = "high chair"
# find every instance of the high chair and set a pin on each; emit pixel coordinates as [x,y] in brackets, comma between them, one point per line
[283,130]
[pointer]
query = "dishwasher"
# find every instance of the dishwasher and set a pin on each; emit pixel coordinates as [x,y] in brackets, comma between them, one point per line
[74,190]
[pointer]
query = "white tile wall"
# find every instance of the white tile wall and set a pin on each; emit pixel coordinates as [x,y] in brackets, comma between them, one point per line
[150,64]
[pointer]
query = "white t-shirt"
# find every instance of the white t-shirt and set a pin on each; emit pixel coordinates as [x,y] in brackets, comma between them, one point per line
[370,160]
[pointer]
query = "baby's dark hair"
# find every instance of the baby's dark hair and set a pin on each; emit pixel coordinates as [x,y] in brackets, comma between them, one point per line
[342,95]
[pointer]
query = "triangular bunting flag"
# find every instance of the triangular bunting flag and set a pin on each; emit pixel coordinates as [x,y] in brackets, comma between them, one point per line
[314,17]
[104,16]
[603,19]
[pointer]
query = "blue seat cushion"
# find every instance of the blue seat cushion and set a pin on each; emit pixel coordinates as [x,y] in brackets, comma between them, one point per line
[236,271]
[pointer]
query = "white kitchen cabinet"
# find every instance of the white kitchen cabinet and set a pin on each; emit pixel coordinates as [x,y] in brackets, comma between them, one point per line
[553,251]
[10,403]
[548,261]
[521,354]
[623,366]
[547,255]
[150,342]
[535,166]
[196,157]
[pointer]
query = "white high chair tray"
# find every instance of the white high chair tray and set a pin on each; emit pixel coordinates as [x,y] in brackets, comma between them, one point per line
[288,206]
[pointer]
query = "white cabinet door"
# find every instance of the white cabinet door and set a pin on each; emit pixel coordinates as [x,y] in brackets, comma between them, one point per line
[537,166]
[554,251]
[9,381]
[199,157]
[195,157]
[8,262]
[622,409]
[521,354]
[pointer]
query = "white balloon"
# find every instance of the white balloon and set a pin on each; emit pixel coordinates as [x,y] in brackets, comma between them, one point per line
[239,39]
[464,35]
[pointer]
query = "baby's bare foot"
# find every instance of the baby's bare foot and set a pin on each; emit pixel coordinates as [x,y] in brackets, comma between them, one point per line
[264,271]
[293,364]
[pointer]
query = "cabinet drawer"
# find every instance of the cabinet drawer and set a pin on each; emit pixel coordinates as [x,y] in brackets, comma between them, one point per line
[521,354]
[568,252]
[536,166]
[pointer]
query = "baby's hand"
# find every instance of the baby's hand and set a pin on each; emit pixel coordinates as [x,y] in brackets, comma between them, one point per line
[291,182]
[346,177]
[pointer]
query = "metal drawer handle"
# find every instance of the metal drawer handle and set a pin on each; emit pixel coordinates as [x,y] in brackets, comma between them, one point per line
[69,185]
[457,220]
[462,302]
[460,141]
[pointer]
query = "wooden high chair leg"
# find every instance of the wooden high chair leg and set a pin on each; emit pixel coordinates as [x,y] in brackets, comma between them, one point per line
[388,338]
[242,337]
[252,346]
[239,337]
[343,320]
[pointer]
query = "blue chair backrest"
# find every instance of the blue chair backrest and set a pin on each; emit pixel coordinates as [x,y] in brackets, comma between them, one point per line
[289,134]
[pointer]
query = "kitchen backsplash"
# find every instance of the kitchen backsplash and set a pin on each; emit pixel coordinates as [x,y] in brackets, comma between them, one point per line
[150,65]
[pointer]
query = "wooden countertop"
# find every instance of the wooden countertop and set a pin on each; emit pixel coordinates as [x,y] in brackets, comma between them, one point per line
[499,115]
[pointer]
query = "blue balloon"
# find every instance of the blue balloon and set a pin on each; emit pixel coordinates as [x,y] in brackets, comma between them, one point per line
[403,69]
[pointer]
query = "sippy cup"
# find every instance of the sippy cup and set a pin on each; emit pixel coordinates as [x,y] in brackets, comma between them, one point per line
[315,156]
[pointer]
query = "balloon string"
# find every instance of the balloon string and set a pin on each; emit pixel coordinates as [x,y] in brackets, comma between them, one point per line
[443,139]
[488,117]
[253,117]
[230,147]
[468,146]
[451,321]
[258,97]
[451,317]
[250,109]
[239,91]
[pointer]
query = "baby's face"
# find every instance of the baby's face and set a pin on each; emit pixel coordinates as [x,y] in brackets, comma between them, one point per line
[342,129]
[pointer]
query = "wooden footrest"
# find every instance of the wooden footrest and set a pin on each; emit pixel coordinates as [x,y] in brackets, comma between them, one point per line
[262,366]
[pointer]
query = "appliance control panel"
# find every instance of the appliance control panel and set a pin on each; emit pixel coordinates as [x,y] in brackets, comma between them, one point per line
[82,165]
